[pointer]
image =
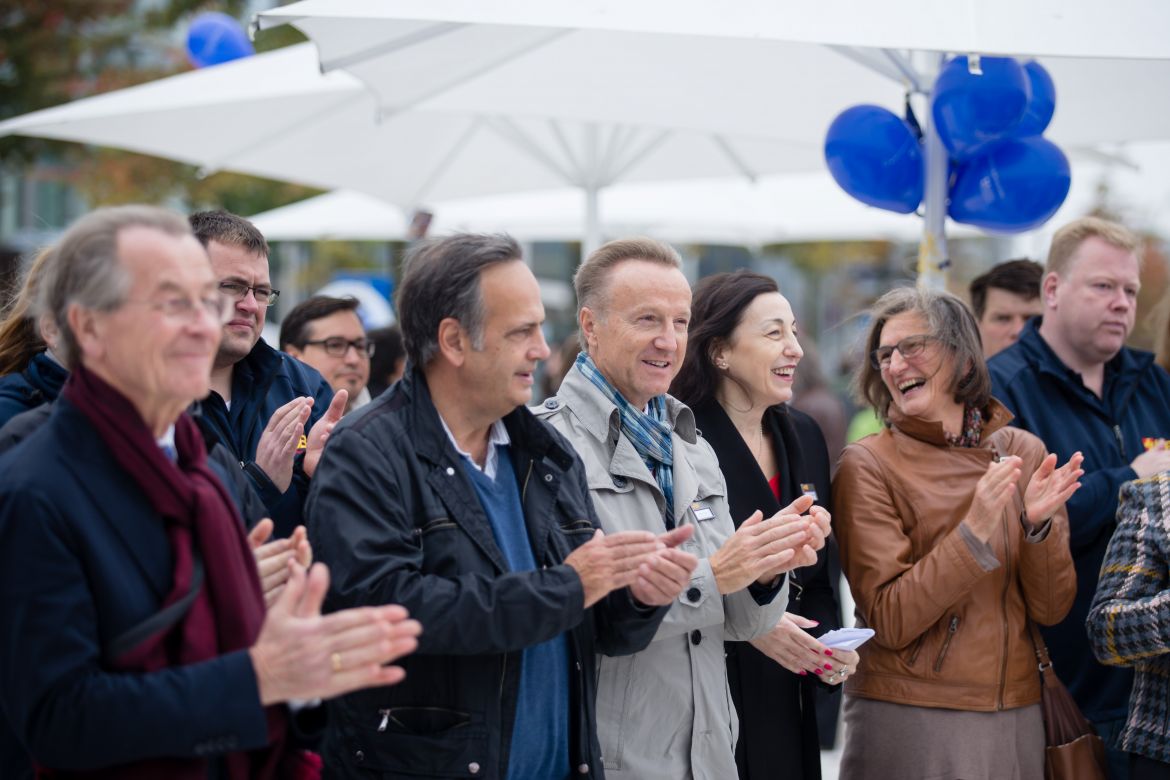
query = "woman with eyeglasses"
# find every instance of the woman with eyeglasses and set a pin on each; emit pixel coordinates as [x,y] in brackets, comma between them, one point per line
[953,538]
[737,378]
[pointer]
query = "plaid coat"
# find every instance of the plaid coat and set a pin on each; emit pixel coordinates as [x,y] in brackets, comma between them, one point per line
[1129,622]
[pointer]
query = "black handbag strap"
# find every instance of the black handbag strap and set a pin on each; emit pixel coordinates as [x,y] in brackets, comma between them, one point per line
[159,621]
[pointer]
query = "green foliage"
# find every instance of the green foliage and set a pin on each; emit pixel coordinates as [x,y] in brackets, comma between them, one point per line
[54,51]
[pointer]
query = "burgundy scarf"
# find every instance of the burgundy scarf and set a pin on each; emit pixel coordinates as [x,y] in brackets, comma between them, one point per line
[197,509]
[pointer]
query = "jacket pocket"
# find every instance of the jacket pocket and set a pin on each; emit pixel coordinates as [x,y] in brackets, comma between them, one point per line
[415,742]
[423,720]
[915,649]
[614,676]
[435,524]
[952,628]
[574,529]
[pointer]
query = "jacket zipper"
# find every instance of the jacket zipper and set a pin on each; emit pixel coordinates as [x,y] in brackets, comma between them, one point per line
[917,649]
[504,663]
[1003,612]
[503,676]
[1120,440]
[527,476]
[954,626]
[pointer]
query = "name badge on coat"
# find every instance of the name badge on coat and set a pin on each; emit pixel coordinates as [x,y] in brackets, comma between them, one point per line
[702,511]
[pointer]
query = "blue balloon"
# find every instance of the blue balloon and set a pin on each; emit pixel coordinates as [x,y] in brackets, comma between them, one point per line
[1017,185]
[214,38]
[973,111]
[1041,104]
[875,157]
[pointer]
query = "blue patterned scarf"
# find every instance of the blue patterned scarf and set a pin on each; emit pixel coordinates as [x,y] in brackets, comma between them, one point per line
[649,433]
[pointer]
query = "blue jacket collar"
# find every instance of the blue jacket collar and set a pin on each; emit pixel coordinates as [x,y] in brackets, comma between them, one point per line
[1126,365]
[46,375]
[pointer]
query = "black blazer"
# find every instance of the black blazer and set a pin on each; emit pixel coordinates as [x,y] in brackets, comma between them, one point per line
[778,728]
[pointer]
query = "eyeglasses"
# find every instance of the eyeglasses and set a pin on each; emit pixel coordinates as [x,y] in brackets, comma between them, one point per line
[909,348]
[187,309]
[338,346]
[265,296]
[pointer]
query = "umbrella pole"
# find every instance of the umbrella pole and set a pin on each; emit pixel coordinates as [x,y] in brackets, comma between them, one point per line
[933,258]
[592,222]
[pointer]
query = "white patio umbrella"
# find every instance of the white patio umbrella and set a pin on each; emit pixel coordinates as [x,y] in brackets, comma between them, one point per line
[611,61]
[275,115]
[1126,29]
[775,209]
[552,105]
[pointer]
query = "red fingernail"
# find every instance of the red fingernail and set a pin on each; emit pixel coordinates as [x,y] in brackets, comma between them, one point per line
[803,672]
[828,652]
[818,671]
[828,666]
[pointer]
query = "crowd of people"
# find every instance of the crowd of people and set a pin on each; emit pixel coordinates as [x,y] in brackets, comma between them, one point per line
[369,555]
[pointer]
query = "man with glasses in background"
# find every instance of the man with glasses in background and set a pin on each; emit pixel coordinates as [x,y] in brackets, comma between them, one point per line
[262,401]
[327,334]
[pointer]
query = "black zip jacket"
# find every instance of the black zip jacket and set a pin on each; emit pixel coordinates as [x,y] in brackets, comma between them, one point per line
[394,515]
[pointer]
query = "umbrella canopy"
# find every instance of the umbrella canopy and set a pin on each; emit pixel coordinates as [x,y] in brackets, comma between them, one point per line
[647,63]
[276,115]
[799,207]
[440,106]
[775,209]
[1070,28]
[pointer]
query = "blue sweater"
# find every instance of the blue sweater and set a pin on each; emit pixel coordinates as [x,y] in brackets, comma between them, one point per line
[540,736]
[1050,400]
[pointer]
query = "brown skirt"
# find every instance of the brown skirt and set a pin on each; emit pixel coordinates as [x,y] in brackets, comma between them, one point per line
[886,741]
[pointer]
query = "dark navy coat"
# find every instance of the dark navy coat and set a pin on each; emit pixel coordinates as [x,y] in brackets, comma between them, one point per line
[83,558]
[1051,401]
[263,382]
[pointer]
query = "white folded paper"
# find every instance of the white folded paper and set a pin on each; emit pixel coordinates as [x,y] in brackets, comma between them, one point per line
[846,638]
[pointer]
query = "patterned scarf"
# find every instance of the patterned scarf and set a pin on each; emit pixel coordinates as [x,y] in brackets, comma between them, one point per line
[649,433]
[972,429]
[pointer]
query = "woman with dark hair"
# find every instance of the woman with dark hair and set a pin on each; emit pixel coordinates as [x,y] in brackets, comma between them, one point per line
[954,538]
[30,375]
[736,377]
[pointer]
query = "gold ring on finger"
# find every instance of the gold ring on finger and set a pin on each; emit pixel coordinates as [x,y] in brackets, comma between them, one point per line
[335,659]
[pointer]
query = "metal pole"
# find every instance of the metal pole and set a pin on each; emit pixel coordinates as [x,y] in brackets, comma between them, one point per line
[933,258]
[592,237]
[592,221]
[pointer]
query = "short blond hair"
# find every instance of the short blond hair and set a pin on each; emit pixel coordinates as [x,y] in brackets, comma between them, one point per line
[589,283]
[1070,237]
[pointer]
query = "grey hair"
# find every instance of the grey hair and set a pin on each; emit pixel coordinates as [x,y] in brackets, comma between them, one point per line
[442,279]
[948,320]
[86,269]
[589,282]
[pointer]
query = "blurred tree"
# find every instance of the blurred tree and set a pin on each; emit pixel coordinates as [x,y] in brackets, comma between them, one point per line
[54,51]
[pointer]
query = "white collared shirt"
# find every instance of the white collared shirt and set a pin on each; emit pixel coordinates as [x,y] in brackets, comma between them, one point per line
[497,435]
[166,442]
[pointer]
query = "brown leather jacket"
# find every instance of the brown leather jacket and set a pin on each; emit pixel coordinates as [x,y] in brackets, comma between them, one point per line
[949,612]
